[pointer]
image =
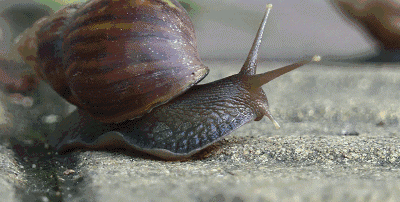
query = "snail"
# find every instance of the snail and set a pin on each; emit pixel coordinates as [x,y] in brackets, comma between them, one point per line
[132,68]
[378,20]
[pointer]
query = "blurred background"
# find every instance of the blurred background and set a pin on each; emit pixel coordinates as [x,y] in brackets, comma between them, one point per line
[225,29]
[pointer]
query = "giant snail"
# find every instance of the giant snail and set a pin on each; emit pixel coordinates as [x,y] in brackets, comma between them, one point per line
[132,68]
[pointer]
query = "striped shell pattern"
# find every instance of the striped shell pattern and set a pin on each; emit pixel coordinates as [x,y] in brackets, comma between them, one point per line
[116,59]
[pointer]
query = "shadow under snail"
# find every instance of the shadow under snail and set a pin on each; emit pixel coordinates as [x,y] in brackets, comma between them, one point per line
[132,68]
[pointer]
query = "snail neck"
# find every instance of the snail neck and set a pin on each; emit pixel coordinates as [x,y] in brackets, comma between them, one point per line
[232,94]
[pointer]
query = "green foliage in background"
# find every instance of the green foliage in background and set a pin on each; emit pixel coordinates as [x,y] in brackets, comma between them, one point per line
[191,7]
[54,5]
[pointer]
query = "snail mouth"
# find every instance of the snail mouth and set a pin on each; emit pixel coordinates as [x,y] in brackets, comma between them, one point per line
[262,107]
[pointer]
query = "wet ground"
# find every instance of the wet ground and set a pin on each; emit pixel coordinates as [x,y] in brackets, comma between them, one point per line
[339,141]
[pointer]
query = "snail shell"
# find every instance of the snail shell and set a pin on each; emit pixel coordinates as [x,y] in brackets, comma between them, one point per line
[116,59]
[379,19]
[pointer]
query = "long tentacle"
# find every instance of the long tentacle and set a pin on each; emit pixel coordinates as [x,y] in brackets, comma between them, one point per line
[263,78]
[250,65]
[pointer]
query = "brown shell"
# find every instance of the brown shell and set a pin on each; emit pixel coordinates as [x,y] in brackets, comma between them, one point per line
[49,54]
[121,58]
[379,18]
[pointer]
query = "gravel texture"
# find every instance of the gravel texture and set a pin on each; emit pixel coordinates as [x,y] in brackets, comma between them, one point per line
[11,175]
[339,141]
[250,169]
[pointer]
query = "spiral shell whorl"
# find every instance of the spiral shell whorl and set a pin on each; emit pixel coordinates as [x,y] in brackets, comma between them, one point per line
[120,59]
[50,53]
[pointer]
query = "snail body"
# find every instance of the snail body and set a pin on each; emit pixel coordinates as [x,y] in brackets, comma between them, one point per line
[144,51]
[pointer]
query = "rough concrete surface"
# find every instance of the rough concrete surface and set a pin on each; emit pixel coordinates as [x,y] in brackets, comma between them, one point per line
[339,141]
[11,175]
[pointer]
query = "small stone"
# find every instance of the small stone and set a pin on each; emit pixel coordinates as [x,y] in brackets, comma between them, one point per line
[45,199]
[61,179]
[49,119]
[68,172]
